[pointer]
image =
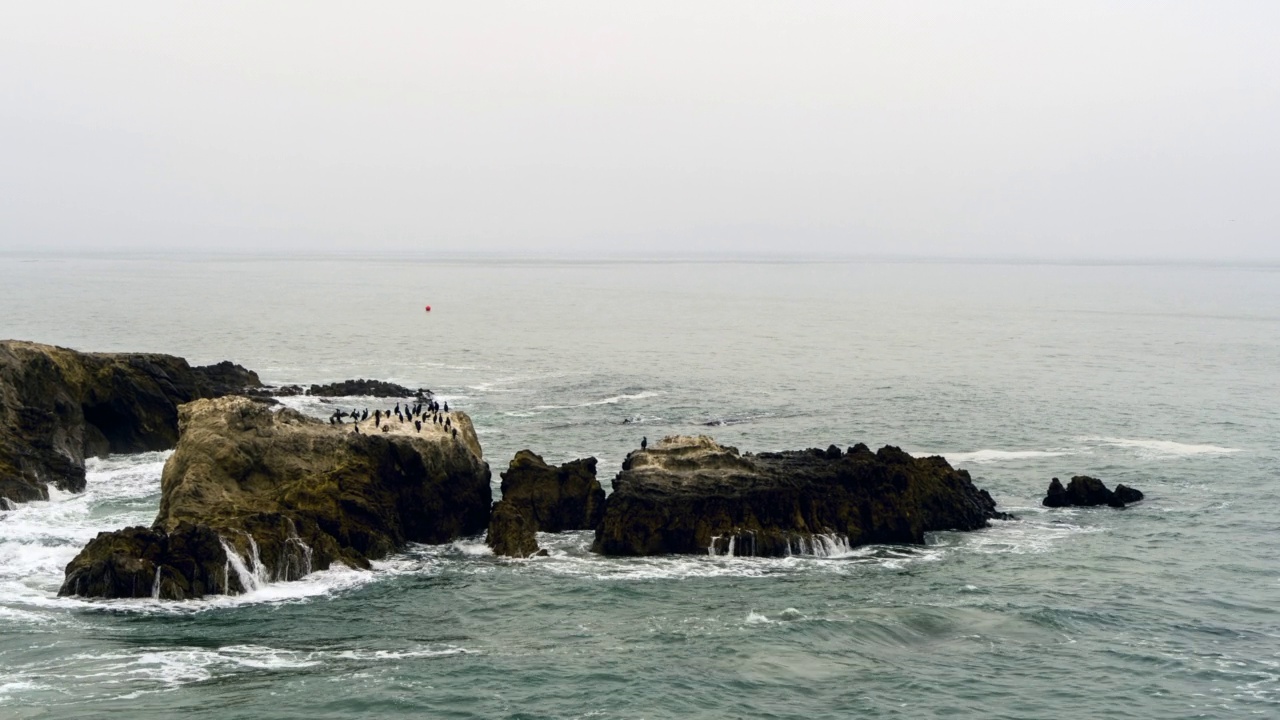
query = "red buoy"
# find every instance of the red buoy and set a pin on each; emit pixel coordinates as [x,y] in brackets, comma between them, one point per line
[428,308]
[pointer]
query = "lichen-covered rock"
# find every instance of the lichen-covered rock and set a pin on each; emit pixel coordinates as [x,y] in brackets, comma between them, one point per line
[549,498]
[286,494]
[1085,491]
[692,495]
[59,406]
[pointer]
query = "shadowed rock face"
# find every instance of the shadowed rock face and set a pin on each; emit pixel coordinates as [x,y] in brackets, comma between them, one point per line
[549,498]
[284,495]
[59,406]
[370,388]
[511,532]
[1086,491]
[692,495]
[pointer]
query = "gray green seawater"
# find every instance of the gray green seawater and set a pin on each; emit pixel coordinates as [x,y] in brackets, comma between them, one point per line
[1163,377]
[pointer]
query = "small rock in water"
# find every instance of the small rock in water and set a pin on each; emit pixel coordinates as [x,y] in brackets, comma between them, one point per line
[1085,491]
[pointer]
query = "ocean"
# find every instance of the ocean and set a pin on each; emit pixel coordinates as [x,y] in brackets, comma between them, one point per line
[1162,377]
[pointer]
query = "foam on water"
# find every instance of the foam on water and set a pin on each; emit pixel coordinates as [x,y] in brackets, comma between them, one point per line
[38,539]
[983,456]
[1034,532]
[146,670]
[613,400]
[1161,449]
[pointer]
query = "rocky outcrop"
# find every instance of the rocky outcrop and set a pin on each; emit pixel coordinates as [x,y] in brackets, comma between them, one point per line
[512,532]
[548,498]
[285,494]
[692,495]
[369,388]
[1085,491]
[59,406]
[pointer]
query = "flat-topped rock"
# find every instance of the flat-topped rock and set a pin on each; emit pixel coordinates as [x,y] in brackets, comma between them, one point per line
[692,495]
[59,406]
[286,494]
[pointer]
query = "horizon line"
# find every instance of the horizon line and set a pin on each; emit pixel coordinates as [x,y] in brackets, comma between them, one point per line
[671,257]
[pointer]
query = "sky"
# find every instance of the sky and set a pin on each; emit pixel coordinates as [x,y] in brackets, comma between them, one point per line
[1091,130]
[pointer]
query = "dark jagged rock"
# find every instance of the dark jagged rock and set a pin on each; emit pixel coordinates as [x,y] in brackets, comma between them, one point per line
[1085,491]
[564,497]
[285,494]
[369,388]
[59,406]
[1126,494]
[550,498]
[275,391]
[690,495]
[189,562]
[511,532]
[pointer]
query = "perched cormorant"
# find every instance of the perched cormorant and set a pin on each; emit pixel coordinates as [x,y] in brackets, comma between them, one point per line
[417,425]
[644,442]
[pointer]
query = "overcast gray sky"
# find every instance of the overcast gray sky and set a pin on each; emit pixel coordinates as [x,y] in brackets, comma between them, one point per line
[1063,130]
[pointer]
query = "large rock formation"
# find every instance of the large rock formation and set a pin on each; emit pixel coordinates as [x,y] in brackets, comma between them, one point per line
[537,497]
[58,406]
[251,495]
[1086,491]
[691,495]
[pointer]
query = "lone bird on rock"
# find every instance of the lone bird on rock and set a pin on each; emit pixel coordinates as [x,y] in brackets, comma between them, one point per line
[644,442]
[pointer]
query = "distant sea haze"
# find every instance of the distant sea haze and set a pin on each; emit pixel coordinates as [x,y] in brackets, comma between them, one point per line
[1163,377]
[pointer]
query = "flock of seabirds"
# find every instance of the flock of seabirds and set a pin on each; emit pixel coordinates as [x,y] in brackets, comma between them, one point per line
[428,411]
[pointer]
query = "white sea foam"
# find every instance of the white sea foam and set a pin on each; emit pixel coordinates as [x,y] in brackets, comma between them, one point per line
[1156,449]
[365,655]
[979,457]
[1036,532]
[157,669]
[755,618]
[569,555]
[38,539]
[606,401]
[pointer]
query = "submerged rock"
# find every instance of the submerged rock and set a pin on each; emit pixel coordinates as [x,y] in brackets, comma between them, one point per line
[370,388]
[1085,491]
[59,406]
[692,495]
[548,498]
[284,495]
